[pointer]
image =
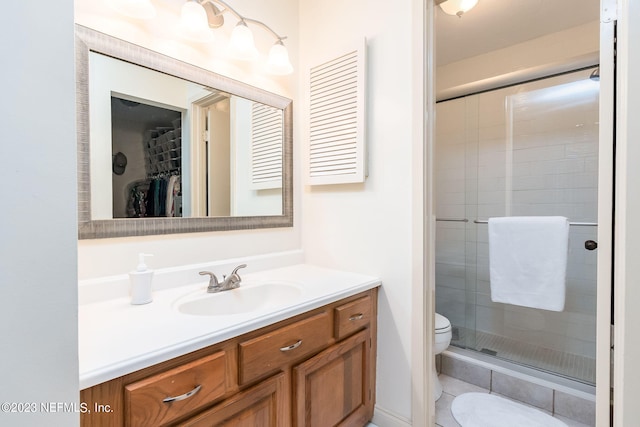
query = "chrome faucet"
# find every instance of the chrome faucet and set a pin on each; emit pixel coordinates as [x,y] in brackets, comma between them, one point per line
[231,281]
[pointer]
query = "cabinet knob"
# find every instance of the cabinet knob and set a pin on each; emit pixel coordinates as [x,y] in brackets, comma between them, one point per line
[590,245]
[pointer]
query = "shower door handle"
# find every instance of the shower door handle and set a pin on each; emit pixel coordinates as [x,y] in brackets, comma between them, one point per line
[590,245]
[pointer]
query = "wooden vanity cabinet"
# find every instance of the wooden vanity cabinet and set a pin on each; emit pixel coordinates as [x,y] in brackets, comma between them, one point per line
[314,369]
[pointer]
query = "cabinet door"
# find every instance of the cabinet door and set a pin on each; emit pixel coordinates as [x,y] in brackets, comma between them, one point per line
[262,405]
[333,388]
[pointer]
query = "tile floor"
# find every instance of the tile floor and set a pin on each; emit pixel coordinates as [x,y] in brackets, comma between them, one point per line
[453,387]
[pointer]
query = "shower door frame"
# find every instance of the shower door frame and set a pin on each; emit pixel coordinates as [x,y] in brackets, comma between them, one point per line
[606,203]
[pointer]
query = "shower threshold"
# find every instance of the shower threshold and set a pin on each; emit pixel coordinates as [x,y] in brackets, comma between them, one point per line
[532,375]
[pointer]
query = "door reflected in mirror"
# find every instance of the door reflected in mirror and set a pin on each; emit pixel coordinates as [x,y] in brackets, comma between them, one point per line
[162,146]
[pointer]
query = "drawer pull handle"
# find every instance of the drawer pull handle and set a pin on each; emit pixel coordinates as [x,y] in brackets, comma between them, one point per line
[292,346]
[356,317]
[182,396]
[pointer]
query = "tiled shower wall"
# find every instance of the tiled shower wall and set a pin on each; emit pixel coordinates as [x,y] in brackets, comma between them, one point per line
[530,149]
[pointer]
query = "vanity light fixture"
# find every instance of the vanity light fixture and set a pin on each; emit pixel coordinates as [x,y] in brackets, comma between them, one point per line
[456,7]
[194,23]
[199,17]
[278,62]
[241,42]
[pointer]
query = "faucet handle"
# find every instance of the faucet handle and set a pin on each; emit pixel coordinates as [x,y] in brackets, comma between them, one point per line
[213,280]
[233,280]
[235,270]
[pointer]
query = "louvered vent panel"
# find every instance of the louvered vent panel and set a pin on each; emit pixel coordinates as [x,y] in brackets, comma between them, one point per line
[336,119]
[266,149]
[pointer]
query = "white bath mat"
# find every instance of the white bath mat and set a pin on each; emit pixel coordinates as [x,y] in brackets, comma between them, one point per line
[489,410]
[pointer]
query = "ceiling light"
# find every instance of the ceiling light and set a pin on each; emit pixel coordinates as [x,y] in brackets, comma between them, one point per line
[457,7]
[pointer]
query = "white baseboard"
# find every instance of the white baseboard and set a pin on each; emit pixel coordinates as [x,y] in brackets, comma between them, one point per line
[384,418]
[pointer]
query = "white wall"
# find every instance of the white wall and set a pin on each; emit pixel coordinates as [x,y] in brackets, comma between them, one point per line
[105,257]
[38,289]
[368,227]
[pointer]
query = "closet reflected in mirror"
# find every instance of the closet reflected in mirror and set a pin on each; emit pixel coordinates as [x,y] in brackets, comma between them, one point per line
[146,144]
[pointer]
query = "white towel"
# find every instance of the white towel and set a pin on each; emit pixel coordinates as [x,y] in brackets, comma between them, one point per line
[528,261]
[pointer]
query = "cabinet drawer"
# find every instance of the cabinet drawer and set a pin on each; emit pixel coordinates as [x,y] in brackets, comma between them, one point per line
[263,405]
[164,397]
[352,316]
[272,350]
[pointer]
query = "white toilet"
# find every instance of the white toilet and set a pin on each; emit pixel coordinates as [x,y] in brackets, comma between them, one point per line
[442,341]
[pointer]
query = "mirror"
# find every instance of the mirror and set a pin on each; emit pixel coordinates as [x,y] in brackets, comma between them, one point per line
[167,147]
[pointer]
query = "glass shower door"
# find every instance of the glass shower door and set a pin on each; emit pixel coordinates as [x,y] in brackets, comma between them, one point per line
[529,150]
[456,196]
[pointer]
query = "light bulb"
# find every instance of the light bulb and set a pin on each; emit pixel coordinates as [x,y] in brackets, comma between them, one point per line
[278,62]
[241,43]
[457,7]
[138,9]
[193,23]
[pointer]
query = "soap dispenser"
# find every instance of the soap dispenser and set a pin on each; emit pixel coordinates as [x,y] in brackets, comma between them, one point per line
[141,282]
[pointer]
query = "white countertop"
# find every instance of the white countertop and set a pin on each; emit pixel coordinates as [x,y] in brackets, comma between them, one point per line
[117,338]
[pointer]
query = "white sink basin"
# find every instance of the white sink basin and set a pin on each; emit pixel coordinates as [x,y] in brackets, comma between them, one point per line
[246,298]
